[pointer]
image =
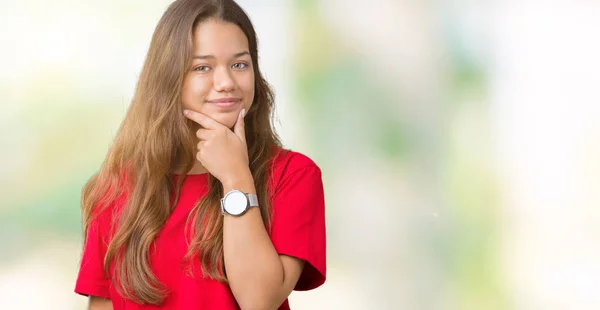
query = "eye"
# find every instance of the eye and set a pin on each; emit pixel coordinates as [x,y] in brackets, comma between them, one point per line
[202,68]
[240,65]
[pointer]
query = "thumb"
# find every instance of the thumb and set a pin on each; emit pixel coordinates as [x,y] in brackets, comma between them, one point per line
[239,127]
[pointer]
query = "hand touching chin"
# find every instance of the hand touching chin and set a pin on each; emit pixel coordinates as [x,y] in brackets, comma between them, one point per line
[226,119]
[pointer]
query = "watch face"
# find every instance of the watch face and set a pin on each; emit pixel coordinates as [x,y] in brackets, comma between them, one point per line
[235,202]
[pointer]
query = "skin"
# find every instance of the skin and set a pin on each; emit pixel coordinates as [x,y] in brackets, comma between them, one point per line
[223,69]
[250,257]
[97,303]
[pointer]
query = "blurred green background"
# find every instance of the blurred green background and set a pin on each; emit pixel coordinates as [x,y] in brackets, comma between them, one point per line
[459,143]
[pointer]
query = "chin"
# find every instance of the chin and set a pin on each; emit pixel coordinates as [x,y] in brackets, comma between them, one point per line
[224,119]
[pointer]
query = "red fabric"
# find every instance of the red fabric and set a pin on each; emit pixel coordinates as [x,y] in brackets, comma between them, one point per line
[298,230]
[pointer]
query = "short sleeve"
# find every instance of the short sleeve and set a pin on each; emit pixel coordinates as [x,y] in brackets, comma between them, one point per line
[298,223]
[91,280]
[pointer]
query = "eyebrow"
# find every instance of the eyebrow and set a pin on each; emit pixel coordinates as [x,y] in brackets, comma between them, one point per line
[237,55]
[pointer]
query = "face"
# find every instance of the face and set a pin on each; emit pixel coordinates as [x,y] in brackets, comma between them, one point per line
[220,81]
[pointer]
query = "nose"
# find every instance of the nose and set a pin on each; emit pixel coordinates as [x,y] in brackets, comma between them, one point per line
[223,80]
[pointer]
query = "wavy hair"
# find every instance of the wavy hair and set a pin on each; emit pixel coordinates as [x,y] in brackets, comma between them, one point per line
[154,140]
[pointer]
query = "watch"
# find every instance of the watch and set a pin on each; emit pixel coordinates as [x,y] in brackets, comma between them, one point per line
[236,202]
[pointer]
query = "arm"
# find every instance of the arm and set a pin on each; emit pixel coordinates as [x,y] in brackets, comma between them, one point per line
[97,303]
[259,277]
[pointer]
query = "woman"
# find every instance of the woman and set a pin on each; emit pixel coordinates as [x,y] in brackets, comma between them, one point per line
[196,205]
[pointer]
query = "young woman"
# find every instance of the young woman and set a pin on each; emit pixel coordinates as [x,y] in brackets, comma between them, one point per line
[197,205]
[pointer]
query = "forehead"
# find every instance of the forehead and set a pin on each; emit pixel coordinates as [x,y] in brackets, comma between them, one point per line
[219,38]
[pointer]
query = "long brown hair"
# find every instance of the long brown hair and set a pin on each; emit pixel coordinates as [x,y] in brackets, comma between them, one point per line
[154,140]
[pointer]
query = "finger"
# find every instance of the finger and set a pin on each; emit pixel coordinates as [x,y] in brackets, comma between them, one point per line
[239,127]
[205,134]
[202,119]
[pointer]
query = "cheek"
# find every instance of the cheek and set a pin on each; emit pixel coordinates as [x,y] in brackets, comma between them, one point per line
[249,91]
[193,92]
[185,97]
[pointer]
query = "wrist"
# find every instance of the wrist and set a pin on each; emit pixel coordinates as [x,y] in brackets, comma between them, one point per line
[241,181]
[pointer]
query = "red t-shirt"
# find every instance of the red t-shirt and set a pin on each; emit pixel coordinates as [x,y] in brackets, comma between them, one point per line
[298,230]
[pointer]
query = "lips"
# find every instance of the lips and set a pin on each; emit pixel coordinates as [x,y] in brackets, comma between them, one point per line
[225,102]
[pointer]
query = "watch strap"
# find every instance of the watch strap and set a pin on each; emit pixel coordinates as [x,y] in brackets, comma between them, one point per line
[252,200]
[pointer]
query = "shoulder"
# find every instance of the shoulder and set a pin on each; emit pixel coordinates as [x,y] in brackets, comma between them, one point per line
[287,164]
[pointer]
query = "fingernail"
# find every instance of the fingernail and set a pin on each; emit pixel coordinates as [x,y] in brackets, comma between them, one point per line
[185,112]
[243,113]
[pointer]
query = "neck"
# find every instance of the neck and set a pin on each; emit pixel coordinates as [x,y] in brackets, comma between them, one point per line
[197,168]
